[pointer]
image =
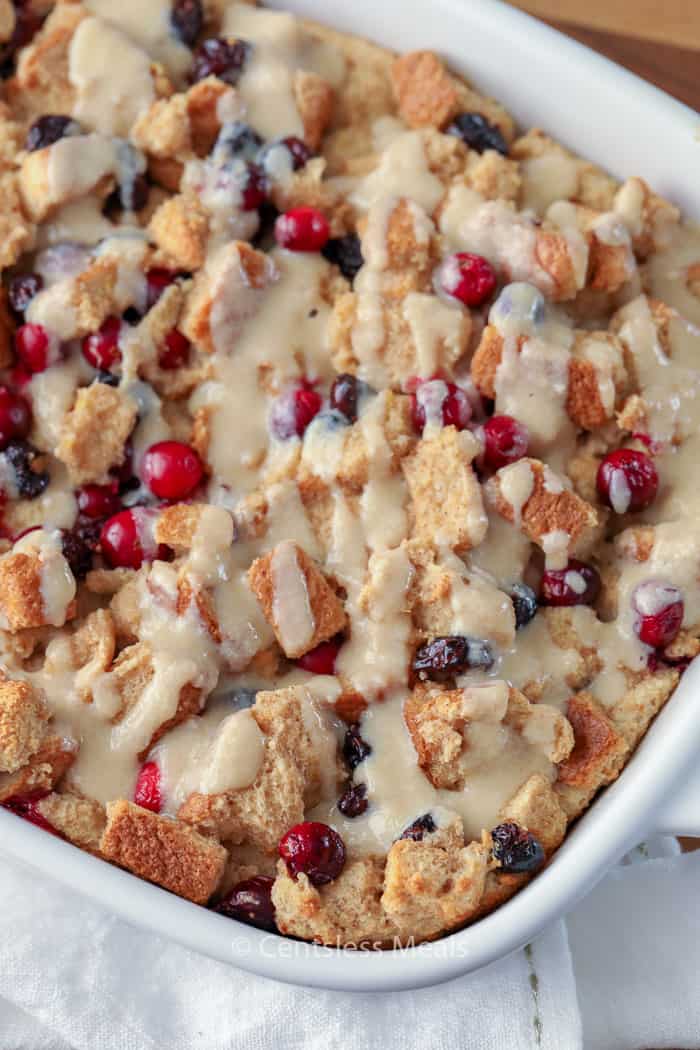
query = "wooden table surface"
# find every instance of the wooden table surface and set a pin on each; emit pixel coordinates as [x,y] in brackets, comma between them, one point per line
[658,39]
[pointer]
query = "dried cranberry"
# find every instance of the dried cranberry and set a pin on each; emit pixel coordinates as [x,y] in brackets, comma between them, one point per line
[33,347]
[106,378]
[436,398]
[22,290]
[250,901]
[293,411]
[355,749]
[467,277]
[660,609]
[26,807]
[187,19]
[176,351]
[79,544]
[101,348]
[353,802]
[98,501]
[302,229]
[15,416]
[128,196]
[344,394]
[217,57]
[516,849]
[172,470]
[21,456]
[254,188]
[424,825]
[505,441]
[148,793]
[577,584]
[240,140]
[449,656]
[477,133]
[300,152]
[49,129]
[346,253]
[524,602]
[27,22]
[314,849]
[320,660]
[157,280]
[627,480]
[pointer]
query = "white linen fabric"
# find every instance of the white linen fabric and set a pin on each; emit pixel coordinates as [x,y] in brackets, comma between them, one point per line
[622,972]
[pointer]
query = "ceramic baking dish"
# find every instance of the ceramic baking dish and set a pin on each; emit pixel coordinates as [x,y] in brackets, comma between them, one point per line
[631,128]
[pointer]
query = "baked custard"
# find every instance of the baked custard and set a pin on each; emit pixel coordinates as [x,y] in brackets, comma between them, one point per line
[348,439]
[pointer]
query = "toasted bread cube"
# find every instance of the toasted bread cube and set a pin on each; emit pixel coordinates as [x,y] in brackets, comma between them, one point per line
[7,20]
[428,889]
[22,599]
[92,157]
[177,525]
[180,228]
[536,808]
[80,820]
[347,910]
[296,600]
[530,495]
[597,379]
[315,98]
[16,231]
[288,780]
[650,219]
[23,720]
[446,506]
[598,755]
[43,771]
[42,83]
[425,91]
[94,432]
[164,851]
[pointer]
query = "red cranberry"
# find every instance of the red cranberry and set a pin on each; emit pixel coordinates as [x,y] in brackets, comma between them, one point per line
[320,660]
[172,470]
[157,280]
[26,807]
[660,609]
[505,441]
[302,230]
[314,849]
[250,901]
[101,348]
[22,290]
[125,541]
[176,351]
[293,411]
[99,501]
[469,278]
[627,480]
[516,849]
[446,398]
[147,792]
[577,584]
[216,57]
[15,416]
[33,347]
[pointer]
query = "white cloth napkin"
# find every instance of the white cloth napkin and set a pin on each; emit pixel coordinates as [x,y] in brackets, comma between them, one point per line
[623,972]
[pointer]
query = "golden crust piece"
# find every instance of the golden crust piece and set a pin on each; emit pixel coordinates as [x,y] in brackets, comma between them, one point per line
[21,597]
[180,228]
[536,807]
[162,851]
[43,771]
[446,504]
[315,99]
[23,720]
[346,911]
[16,231]
[289,570]
[597,379]
[42,84]
[41,195]
[547,509]
[428,889]
[287,782]
[80,820]
[598,755]
[94,432]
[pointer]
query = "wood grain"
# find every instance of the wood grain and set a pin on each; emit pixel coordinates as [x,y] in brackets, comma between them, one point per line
[670,21]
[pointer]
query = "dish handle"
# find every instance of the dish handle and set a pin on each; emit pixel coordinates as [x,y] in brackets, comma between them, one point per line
[680,814]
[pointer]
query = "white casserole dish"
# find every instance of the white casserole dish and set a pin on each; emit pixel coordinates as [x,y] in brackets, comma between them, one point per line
[631,128]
